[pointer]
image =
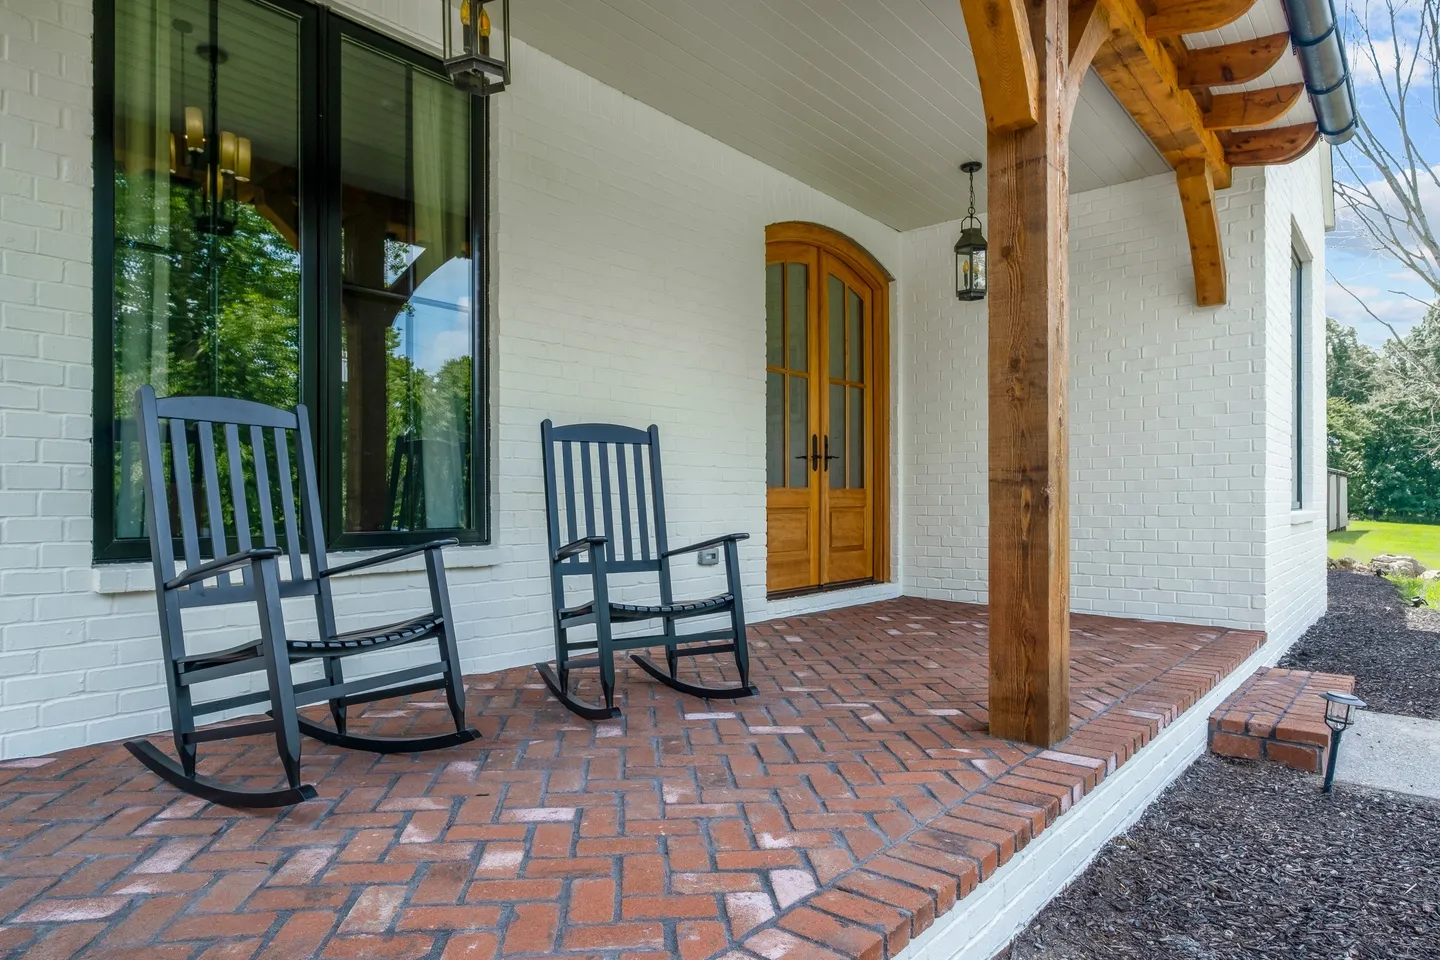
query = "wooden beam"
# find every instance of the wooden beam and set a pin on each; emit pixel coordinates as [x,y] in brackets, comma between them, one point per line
[1253,108]
[1260,147]
[1202,225]
[1089,28]
[1233,62]
[1028,403]
[1004,62]
[1173,18]
[1141,73]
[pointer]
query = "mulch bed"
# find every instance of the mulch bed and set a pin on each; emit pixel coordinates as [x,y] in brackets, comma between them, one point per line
[1392,649]
[1242,860]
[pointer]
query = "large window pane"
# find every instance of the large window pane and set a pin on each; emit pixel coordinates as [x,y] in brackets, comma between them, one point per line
[408,281]
[206,269]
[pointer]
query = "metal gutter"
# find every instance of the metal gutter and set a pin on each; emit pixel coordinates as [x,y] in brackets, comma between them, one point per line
[1315,31]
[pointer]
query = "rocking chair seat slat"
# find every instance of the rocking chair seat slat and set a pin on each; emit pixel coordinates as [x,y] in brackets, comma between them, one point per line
[404,631]
[372,638]
[648,611]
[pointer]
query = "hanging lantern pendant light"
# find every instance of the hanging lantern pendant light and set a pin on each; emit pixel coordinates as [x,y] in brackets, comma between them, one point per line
[971,281]
[472,60]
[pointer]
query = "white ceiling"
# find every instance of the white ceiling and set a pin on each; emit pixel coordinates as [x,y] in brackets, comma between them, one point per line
[874,103]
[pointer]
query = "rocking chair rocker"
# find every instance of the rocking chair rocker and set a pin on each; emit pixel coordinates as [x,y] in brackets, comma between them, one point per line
[612,452]
[226,505]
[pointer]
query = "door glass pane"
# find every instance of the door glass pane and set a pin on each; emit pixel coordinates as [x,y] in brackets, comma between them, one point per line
[408,279]
[798,415]
[797,320]
[857,438]
[835,296]
[855,341]
[207,233]
[836,467]
[774,430]
[774,316]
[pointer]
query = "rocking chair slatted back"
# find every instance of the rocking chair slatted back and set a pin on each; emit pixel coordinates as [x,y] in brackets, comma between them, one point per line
[220,479]
[618,474]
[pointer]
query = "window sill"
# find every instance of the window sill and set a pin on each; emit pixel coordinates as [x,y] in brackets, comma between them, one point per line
[1298,517]
[119,578]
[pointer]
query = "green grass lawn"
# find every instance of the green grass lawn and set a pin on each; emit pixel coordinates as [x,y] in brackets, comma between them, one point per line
[1366,539]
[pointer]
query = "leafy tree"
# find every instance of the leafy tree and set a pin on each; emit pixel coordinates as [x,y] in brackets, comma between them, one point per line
[1350,366]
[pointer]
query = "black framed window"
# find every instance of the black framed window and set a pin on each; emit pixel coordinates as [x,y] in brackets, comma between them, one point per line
[290,208]
[1297,295]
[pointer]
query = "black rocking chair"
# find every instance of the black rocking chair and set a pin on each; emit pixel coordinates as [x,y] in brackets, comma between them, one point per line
[606,454]
[251,444]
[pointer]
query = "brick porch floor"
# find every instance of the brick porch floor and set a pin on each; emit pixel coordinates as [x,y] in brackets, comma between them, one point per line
[838,813]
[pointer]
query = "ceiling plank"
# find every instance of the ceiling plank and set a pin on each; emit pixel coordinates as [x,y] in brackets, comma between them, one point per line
[1233,62]
[1261,147]
[1142,75]
[1173,18]
[1202,226]
[1004,62]
[1253,108]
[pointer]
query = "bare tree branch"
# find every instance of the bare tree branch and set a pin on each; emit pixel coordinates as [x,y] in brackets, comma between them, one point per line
[1389,174]
[1422,366]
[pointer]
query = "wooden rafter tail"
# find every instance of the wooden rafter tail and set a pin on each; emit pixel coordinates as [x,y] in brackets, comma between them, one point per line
[1253,108]
[1202,226]
[1173,18]
[1264,147]
[1232,63]
[1141,72]
[1004,62]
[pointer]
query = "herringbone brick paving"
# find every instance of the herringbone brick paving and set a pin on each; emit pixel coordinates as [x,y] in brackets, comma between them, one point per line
[837,814]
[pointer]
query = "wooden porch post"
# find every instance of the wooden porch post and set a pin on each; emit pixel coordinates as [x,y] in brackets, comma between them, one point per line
[1029,358]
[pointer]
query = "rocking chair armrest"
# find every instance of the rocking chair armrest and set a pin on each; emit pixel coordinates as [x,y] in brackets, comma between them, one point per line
[390,557]
[577,547]
[221,565]
[704,544]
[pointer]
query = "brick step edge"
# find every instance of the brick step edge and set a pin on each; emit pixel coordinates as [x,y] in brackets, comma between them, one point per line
[1278,715]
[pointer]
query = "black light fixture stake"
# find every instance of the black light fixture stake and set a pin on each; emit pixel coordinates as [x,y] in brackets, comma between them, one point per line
[1339,716]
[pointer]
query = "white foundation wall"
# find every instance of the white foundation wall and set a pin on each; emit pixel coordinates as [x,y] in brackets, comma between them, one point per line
[1176,442]
[627,282]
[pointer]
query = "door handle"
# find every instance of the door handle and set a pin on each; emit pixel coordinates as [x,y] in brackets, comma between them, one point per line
[828,455]
[814,455]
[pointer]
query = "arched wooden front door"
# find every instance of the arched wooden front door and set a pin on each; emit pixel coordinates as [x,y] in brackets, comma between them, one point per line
[827,405]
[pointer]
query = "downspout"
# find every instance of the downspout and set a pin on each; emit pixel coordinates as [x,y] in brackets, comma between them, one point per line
[1315,31]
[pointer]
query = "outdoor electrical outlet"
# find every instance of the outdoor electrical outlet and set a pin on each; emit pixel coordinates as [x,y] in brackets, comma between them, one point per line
[708,558]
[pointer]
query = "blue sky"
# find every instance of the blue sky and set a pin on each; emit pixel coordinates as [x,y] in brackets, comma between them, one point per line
[1385,284]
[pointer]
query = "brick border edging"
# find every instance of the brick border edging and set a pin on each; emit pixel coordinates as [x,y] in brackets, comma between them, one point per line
[1278,715]
[873,910]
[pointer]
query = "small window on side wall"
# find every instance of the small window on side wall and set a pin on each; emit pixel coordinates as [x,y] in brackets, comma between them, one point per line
[1297,421]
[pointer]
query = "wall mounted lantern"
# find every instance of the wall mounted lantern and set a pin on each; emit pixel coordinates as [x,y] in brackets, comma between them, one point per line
[477,48]
[1339,716]
[970,279]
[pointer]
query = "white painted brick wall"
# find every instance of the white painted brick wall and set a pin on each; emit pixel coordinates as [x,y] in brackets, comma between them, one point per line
[1176,442]
[629,286]
[1294,540]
